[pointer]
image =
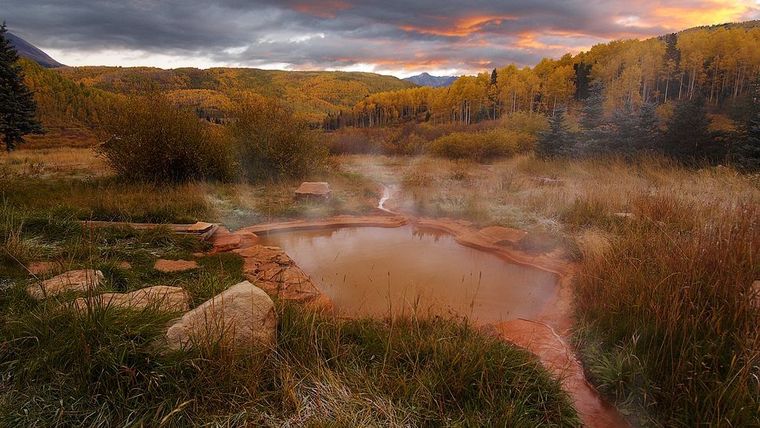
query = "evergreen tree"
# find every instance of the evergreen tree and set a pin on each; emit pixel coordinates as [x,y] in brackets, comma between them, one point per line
[747,153]
[17,106]
[688,138]
[493,94]
[557,141]
[647,128]
[596,133]
[592,113]
[624,137]
[582,72]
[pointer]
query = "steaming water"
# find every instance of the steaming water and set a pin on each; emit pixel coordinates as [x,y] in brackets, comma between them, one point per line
[387,193]
[376,271]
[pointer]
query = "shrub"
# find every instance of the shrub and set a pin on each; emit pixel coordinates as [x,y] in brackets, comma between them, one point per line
[480,146]
[148,139]
[532,124]
[273,143]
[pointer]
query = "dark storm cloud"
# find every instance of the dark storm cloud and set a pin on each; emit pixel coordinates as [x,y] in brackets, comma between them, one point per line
[391,35]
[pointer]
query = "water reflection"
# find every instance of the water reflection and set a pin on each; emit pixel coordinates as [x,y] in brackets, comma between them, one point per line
[377,271]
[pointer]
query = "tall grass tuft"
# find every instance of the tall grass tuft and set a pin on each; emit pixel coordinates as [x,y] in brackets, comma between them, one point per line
[667,320]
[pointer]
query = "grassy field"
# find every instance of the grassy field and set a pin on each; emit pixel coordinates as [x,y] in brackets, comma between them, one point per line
[665,319]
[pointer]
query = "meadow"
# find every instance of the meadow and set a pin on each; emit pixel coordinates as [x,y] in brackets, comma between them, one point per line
[664,310]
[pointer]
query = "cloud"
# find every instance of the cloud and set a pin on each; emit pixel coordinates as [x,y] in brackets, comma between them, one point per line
[395,36]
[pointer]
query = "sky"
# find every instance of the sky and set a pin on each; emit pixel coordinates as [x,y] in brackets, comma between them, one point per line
[399,37]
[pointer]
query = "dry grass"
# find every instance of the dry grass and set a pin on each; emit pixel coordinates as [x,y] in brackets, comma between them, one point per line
[54,162]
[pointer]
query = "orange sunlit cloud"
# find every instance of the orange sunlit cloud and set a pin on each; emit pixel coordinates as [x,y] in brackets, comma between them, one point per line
[322,8]
[460,27]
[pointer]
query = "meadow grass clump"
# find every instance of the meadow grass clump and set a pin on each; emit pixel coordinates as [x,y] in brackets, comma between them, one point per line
[106,199]
[667,323]
[106,367]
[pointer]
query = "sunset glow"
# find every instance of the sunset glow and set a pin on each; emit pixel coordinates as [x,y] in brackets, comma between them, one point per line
[392,37]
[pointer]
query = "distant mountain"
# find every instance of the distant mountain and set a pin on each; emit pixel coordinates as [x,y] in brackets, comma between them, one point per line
[29,51]
[426,79]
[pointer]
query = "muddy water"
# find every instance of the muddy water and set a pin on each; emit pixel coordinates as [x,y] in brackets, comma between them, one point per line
[376,271]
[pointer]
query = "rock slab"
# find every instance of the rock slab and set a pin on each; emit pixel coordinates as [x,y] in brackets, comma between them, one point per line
[169,266]
[242,316]
[160,297]
[277,273]
[313,189]
[74,280]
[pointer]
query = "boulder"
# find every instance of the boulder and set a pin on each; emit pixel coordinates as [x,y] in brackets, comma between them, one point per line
[160,297]
[169,266]
[242,316]
[74,280]
[313,189]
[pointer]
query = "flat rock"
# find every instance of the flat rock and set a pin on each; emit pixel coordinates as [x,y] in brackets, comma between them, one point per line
[274,271]
[311,189]
[200,227]
[74,280]
[168,266]
[160,297]
[242,316]
[42,268]
[223,240]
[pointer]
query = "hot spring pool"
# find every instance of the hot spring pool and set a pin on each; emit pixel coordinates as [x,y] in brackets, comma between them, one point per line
[371,271]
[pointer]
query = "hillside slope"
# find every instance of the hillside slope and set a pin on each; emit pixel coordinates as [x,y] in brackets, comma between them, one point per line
[211,92]
[29,51]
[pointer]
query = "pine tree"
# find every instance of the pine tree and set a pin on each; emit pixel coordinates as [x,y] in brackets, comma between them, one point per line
[592,113]
[688,138]
[596,133]
[17,106]
[647,128]
[747,153]
[624,137]
[557,141]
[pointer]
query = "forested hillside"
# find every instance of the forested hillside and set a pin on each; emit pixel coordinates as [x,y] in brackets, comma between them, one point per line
[211,92]
[717,63]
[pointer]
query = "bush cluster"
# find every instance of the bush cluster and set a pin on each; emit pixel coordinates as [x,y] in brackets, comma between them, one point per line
[273,143]
[482,146]
[150,140]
